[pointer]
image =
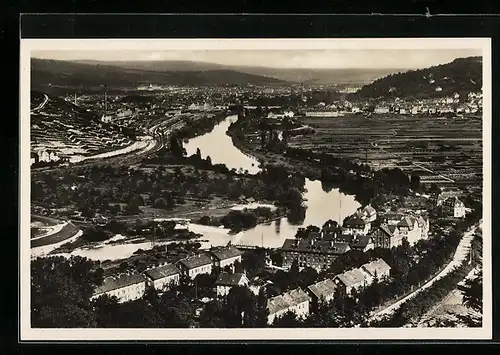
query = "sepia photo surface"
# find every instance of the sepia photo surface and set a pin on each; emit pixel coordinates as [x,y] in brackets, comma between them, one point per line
[311,189]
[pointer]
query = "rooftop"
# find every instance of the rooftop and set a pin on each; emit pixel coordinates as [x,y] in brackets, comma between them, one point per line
[192,262]
[407,222]
[376,267]
[226,253]
[323,289]
[287,300]
[227,279]
[355,221]
[352,277]
[116,282]
[161,272]
[315,246]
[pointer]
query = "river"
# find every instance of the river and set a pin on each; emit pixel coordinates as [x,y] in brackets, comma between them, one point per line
[321,205]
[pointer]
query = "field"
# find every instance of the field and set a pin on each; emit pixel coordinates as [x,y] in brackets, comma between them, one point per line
[444,151]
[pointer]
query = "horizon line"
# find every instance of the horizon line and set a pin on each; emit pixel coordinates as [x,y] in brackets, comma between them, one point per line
[241,65]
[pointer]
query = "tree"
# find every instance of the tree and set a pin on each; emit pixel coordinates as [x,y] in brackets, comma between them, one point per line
[132,207]
[287,320]
[415,183]
[160,202]
[241,306]
[473,294]
[262,310]
[60,293]
[434,189]
[176,146]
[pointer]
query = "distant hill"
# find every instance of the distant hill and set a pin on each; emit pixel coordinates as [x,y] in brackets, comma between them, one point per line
[306,76]
[47,73]
[462,75]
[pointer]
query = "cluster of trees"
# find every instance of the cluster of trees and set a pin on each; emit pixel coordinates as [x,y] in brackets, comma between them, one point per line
[110,190]
[240,220]
[61,290]
[196,127]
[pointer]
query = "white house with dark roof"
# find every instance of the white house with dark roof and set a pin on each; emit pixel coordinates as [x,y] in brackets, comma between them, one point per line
[125,287]
[424,225]
[225,256]
[195,265]
[226,281]
[454,207]
[357,225]
[351,280]
[163,276]
[322,291]
[409,228]
[367,213]
[296,301]
[376,269]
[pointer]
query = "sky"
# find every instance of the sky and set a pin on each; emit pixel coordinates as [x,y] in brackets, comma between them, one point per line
[304,59]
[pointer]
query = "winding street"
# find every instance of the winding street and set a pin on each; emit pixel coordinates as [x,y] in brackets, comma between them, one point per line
[460,255]
[44,102]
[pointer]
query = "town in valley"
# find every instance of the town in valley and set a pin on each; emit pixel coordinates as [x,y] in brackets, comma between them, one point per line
[207,194]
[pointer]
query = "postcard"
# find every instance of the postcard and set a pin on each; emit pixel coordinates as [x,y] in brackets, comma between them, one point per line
[255,189]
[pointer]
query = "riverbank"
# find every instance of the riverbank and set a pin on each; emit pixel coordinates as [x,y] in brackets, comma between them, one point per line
[350,182]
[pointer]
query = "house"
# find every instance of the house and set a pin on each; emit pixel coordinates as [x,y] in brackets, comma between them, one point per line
[391,218]
[377,269]
[367,213]
[362,243]
[162,277]
[318,254]
[226,281]
[125,287]
[402,111]
[351,280]
[357,241]
[225,256]
[296,301]
[423,225]
[34,158]
[454,207]
[387,236]
[193,266]
[410,229]
[357,225]
[381,109]
[322,291]
[100,220]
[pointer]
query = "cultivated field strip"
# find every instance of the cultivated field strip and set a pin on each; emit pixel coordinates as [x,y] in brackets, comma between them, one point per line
[449,149]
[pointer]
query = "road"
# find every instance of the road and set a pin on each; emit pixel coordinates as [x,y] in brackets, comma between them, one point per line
[44,102]
[461,254]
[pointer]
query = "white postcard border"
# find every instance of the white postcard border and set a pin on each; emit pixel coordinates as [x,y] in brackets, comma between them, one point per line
[33,334]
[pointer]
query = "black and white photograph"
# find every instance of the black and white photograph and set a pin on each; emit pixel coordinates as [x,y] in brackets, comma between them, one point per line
[190,189]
